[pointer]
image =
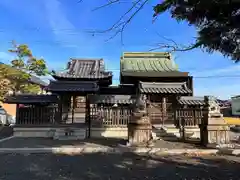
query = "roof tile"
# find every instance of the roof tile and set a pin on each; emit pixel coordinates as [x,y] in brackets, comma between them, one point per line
[81,86]
[191,100]
[147,62]
[30,98]
[169,88]
[112,99]
[150,64]
[85,68]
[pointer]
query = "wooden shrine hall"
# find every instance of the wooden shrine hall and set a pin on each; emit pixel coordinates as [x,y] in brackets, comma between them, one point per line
[83,97]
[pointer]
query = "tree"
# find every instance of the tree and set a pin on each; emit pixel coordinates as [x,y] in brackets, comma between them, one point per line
[26,65]
[16,77]
[216,21]
[26,61]
[5,84]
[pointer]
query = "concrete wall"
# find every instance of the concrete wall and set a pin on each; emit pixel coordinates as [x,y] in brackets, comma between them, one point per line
[109,132]
[50,131]
[33,132]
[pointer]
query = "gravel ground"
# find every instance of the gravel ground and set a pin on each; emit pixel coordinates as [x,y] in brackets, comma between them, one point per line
[117,167]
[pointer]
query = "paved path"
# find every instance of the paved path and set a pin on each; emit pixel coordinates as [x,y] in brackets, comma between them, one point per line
[117,167]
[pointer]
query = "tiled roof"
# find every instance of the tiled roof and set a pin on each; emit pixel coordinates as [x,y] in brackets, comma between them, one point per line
[147,63]
[85,68]
[111,99]
[191,100]
[71,86]
[30,98]
[169,88]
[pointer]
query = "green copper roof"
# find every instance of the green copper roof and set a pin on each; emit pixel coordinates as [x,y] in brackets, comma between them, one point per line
[147,62]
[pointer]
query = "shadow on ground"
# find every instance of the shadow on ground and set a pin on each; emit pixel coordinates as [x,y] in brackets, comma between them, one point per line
[20,142]
[117,167]
[5,131]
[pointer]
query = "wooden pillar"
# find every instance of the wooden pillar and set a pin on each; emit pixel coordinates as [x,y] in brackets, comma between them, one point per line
[60,110]
[87,115]
[175,107]
[190,84]
[164,109]
[73,106]
[17,114]
[66,102]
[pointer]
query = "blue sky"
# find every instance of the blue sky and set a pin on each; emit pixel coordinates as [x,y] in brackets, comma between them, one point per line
[58,29]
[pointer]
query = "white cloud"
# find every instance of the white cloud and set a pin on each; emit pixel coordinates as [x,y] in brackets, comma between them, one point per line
[64,31]
[234,69]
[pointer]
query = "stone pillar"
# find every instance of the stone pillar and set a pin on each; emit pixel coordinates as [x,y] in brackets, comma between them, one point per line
[213,129]
[139,127]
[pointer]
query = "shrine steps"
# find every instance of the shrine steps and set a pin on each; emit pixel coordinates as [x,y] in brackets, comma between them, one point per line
[170,132]
[69,134]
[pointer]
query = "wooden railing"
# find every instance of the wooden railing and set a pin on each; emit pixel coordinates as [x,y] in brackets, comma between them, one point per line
[33,114]
[160,114]
[108,116]
[189,116]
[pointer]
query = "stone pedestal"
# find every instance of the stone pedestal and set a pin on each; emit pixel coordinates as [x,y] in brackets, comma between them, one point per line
[213,129]
[216,132]
[139,130]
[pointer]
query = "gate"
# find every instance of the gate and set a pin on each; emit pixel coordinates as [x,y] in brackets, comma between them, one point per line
[161,111]
[109,115]
[76,110]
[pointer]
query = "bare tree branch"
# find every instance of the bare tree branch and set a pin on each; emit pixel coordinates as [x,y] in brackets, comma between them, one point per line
[172,46]
[111,2]
[120,25]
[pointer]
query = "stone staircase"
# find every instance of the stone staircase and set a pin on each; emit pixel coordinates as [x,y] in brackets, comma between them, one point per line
[69,133]
[170,132]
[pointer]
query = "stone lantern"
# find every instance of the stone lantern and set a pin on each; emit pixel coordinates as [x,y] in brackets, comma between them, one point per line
[139,127]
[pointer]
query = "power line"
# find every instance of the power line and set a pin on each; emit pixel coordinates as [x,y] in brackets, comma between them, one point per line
[195,77]
[70,43]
